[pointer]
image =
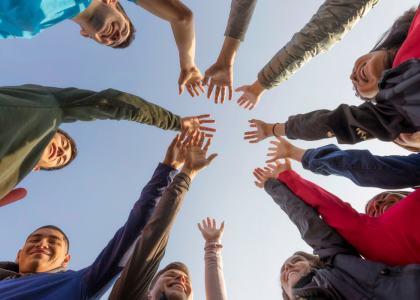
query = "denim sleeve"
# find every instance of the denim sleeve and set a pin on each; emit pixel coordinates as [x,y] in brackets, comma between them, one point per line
[110,262]
[364,168]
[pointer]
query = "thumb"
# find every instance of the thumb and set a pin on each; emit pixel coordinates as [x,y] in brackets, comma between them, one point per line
[281,139]
[211,157]
[206,78]
[222,226]
[181,89]
[288,162]
[240,89]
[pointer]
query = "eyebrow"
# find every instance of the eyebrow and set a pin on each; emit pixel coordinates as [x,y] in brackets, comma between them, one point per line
[68,144]
[40,235]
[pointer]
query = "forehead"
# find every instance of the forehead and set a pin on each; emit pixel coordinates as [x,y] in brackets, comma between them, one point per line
[45,232]
[292,258]
[175,272]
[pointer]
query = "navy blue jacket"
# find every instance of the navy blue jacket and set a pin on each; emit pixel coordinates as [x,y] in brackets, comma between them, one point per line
[92,282]
[364,168]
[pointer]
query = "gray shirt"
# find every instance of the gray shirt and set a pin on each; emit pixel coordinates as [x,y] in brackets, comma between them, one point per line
[239,18]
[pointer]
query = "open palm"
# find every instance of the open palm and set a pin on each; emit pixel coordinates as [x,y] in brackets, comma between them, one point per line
[210,231]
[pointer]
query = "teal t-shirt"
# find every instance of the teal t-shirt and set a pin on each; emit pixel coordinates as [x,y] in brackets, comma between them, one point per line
[27,18]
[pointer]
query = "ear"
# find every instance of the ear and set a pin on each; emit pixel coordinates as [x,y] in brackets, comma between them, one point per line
[149,294]
[36,168]
[18,256]
[66,260]
[84,33]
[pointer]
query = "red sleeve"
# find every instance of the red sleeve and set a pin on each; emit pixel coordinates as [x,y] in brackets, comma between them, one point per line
[14,195]
[411,46]
[338,214]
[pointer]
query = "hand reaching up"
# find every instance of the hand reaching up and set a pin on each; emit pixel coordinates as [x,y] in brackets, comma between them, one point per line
[251,95]
[195,159]
[175,156]
[221,77]
[209,231]
[191,78]
[263,131]
[195,123]
[262,176]
[280,167]
[285,149]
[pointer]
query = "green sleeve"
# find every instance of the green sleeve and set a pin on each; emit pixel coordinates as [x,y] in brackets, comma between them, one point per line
[110,104]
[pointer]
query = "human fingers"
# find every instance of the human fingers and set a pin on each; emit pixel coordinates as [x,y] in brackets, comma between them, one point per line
[210,90]
[190,90]
[206,121]
[278,163]
[207,145]
[288,162]
[208,135]
[203,128]
[214,224]
[201,140]
[252,107]
[251,132]
[250,137]
[217,94]
[248,104]
[201,87]
[174,141]
[195,88]
[244,100]
[199,227]
[211,157]
[204,116]
[206,78]
[257,176]
[241,98]
[272,149]
[275,143]
[204,224]
[222,100]
[197,138]
[181,88]
[271,166]
[271,160]
[230,92]
[240,89]
[182,137]
[222,227]
[208,222]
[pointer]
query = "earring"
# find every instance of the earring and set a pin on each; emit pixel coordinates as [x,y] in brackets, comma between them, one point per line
[62,264]
[17,261]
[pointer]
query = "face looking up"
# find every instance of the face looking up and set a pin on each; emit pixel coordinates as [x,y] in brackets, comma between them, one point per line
[294,268]
[106,24]
[366,73]
[382,202]
[57,153]
[176,285]
[44,250]
[409,139]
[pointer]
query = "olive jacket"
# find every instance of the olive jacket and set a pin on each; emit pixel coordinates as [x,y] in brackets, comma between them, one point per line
[31,115]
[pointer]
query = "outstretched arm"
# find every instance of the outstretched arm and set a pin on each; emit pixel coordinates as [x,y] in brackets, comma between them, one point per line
[214,279]
[182,23]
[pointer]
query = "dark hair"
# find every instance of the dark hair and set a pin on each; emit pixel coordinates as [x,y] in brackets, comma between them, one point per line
[54,228]
[314,262]
[405,193]
[392,40]
[73,152]
[131,36]
[172,266]
[409,148]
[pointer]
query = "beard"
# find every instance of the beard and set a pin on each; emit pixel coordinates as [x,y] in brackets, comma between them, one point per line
[98,19]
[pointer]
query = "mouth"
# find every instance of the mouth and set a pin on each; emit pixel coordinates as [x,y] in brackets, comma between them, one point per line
[385,208]
[110,31]
[39,252]
[290,273]
[53,151]
[179,286]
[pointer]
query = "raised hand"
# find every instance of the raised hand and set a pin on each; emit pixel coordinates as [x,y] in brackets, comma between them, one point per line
[209,231]
[195,159]
[280,167]
[263,131]
[175,156]
[251,95]
[262,176]
[195,123]
[222,77]
[285,149]
[191,78]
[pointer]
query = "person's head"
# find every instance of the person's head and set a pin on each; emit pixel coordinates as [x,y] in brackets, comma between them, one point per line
[59,153]
[409,141]
[106,22]
[174,280]
[294,268]
[368,68]
[379,204]
[45,249]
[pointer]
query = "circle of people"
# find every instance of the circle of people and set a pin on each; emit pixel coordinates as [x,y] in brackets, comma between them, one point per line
[370,255]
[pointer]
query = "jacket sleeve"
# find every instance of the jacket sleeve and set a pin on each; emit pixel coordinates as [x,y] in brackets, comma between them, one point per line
[328,26]
[241,12]
[349,124]
[364,168]
[110,104]
[336,213]
[102,273]
[325,241]
[150,249]
[214,278]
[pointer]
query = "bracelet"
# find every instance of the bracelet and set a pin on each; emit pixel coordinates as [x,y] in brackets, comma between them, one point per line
[273,129]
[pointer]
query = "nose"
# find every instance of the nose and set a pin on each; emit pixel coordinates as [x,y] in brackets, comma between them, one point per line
[41,244]
[353,76]
[180,277]
[116,37]
[60,151]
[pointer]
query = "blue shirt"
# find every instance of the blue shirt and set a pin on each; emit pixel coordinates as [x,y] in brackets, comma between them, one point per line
[92,282]
[364,168]
[27,18]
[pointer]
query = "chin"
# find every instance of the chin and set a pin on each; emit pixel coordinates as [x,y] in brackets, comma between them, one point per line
[176,295]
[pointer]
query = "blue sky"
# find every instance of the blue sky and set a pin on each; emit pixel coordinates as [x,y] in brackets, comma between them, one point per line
[92,198]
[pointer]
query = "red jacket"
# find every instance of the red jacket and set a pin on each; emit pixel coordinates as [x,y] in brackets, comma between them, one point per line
[392,238]
[411,46]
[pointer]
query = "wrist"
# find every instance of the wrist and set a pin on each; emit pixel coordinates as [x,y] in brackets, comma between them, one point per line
[172,164]
[297,153]
[257,88]
[228,52]
[280,129]
[187,66]
[188,171]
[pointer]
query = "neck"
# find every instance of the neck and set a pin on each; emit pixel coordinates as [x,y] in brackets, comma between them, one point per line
[86,15]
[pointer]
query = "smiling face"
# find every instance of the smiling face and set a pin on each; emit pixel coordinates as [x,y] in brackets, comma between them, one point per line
[294,268]
[367,71]
[379,204]
[106,25]
[409,139]
[44,250]
[176,285]
[56,154]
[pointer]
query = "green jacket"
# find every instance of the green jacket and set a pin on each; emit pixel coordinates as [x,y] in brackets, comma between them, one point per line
[31,115]
[327,27]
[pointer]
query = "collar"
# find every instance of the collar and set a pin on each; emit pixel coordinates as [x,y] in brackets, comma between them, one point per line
[10,270]
[308,287]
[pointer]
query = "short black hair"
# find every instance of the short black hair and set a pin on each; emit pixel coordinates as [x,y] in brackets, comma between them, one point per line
[172,266]
[54,228]
[132,35]
[392,40]
[73,152]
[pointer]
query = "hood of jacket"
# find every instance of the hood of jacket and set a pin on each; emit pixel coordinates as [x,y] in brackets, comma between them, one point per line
[314,287]
[9,270]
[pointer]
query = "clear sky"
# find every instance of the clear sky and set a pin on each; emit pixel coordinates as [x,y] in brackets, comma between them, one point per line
[91,199]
